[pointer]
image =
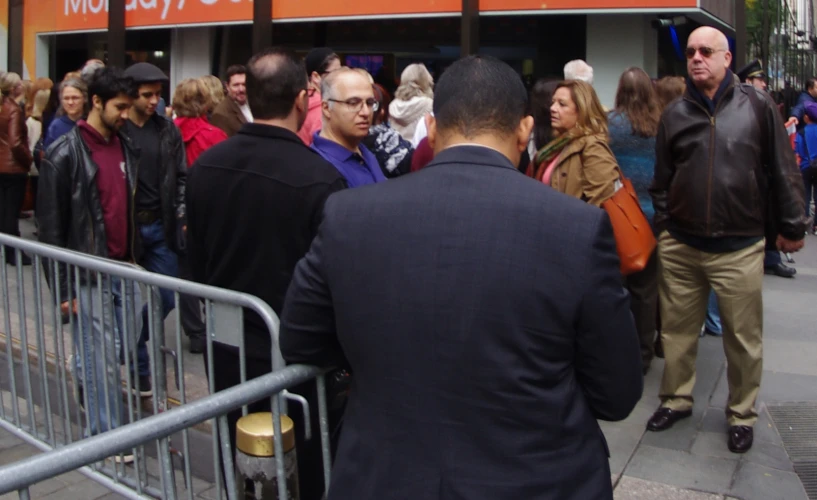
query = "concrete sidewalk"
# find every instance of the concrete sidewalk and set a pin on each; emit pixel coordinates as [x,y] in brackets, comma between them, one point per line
[690,461]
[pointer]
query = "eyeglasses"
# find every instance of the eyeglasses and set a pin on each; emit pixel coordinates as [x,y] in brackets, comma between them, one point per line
[356,104]
[706,52]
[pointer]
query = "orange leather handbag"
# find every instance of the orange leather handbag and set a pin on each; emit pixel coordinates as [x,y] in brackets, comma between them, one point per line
[635,241]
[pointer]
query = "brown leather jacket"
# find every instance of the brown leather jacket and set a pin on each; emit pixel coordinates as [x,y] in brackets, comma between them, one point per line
[228,117]
[15,158]
[716,175]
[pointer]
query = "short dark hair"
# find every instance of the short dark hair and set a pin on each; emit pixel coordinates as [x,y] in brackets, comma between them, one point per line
[479,94]
[811,83]
[235,69]
[109,82]
[275,77]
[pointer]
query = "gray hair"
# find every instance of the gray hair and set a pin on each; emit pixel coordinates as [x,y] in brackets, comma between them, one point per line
[77,84]
[579,70]
[328,83]
[415,81]
[89,69]
[8,82]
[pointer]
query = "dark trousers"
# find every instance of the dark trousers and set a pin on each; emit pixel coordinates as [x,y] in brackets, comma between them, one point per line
[189,305]
[157,257]
[808,182]
[643,288]
[226,374]
[12,194]
[772,257]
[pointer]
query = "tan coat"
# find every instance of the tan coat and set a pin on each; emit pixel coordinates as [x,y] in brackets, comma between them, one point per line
[587,170]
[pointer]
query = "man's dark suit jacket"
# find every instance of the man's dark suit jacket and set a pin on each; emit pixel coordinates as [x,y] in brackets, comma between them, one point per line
[228,117]
[486,329]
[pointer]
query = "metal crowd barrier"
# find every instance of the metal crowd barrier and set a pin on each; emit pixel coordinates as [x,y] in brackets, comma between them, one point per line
[41,403]
[21,475]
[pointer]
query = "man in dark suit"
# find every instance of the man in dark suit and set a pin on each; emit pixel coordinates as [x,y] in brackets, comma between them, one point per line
[233,111]
[485,333]
[254,203]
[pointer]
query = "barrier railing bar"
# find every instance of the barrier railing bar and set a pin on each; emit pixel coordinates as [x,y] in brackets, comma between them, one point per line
[96,448]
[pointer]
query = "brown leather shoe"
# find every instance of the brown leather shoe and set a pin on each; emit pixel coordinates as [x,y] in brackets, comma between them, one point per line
[665,418]
[741,438]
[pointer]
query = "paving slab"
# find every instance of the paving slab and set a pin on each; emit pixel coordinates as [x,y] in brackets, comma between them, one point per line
[682,469]
[755,482]
[680,437]
[790,356]
[630,488]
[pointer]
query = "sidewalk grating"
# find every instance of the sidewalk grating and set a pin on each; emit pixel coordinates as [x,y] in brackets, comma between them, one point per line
[797,425]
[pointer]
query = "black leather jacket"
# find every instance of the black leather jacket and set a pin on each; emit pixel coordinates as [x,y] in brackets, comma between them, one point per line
[716,175]
[173,175]
[69,211]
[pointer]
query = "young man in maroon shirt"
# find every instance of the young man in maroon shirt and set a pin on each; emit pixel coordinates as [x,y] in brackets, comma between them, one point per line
[86,205]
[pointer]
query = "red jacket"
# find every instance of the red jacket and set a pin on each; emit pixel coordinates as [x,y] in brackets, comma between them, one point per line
[198,136]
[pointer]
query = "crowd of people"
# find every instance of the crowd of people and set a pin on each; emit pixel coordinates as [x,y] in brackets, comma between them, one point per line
[486,330]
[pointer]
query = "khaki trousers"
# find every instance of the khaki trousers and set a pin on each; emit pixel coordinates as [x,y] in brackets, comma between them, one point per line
[684,279]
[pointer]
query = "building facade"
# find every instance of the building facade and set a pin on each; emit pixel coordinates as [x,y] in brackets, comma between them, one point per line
[189,38]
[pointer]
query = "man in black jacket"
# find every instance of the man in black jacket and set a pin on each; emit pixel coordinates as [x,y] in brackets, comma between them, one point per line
[722,158]
[255,202]
[84,204]
[486,333]
[159,201]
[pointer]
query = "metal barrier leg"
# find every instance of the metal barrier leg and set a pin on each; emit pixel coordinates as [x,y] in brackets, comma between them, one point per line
[42,349]
[323,417]
[15,409]
[229,466]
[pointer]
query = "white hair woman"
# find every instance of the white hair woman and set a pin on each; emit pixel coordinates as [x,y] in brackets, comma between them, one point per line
[412,100]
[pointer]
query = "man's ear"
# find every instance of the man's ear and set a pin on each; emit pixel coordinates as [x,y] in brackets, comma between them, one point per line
[523,132]
[301,104]
[431,126]
[325,108]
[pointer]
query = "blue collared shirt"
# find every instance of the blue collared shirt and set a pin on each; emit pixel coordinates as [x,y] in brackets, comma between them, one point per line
[358,169]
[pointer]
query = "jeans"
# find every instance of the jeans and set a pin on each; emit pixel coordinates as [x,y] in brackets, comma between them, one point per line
[713,315]
[98,333]
[158,258]
[772,258]
[12,194]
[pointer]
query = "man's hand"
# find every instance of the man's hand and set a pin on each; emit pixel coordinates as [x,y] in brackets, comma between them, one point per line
[792,121]
[789,246]
[64,307]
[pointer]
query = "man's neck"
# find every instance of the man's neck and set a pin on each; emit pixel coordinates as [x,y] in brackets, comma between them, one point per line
[239,104]
[137,118]
[96,123]
[74,118]
[499,144]
[290,123]
[326,133]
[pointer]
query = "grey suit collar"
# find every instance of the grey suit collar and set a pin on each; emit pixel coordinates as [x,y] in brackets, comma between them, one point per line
[472,154]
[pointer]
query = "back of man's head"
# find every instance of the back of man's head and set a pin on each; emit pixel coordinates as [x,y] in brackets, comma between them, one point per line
[479,95]
[275,78]
[811,84]
[109,82]
[579,70]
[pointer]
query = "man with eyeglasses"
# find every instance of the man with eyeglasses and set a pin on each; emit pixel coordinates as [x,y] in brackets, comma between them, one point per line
[723,163]
[348,107]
